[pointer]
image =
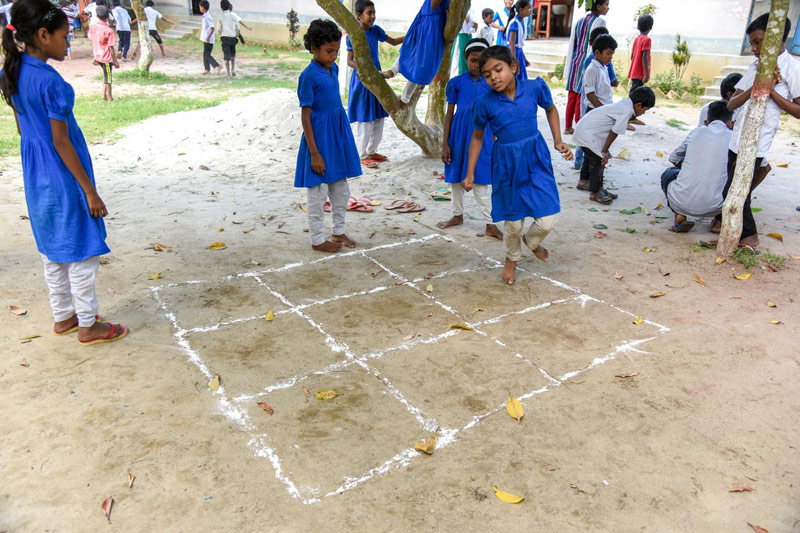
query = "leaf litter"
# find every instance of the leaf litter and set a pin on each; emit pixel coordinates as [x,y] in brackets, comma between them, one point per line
[326,395]
[514,408]
[106,507]
[426,446]
[507,497]
[270,411]
[15,309]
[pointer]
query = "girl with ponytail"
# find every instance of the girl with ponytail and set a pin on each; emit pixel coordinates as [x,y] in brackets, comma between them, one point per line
[65,211]
[516,33]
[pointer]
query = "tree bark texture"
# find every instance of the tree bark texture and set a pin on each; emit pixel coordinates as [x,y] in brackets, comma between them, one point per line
[146,50]
[429,135]
[751,131]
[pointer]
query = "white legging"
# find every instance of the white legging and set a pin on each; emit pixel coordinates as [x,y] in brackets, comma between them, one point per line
[536,233]
[339,194]
[68,281]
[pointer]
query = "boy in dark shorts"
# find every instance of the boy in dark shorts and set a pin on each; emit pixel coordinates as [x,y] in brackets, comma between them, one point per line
[103,42]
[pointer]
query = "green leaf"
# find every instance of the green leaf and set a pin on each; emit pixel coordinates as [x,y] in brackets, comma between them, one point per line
[600,226]
[756,209]
[676,286]
[593,209]
[633,211]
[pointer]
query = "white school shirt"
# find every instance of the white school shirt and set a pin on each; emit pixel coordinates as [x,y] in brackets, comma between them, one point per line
[206,28]
[697,192]
[123,18]
[703,115]
[229,22]
[91,9]
[6,10]
[592,130]
[469,20]
[487,32]
[152,18]
[789,88]
[596,80]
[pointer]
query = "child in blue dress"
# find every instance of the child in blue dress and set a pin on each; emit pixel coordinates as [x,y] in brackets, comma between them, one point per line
[423,47]
[516,33]
[363,107]
[65,211]
[328,154]
[461,92]
[523,185]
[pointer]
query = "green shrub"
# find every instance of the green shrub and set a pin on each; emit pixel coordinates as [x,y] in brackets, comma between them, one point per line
[558,72]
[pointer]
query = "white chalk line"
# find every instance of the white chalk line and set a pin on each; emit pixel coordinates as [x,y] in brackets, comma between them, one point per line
[447,436]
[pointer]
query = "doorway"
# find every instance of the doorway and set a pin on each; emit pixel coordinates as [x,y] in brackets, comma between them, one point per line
[196,7]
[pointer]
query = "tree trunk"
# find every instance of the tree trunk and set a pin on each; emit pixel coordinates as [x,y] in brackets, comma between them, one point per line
[146,50]
[428,137]
[751,131]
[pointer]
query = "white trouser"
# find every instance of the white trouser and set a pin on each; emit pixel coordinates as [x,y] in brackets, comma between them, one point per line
[339,194]
[370,135]
[483,195]
[410,87]
[73,280]
[533,237]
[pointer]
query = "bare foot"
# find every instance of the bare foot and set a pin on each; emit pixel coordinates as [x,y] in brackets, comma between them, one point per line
[457,220]
[59,328]
[493,231]
[328,246]
[716,226]
[206,72]
[219,70]
[569,131]
[344,239]
[508,272]
[542,253]
[751,241]
[98,330]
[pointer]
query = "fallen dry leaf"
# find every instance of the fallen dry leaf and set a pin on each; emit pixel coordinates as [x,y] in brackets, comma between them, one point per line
[30,337]
[214,383]
[270,316]
[429,288]
[270,411]
[577,381]
[157,248]
[740,488]
[409,337]
[217,246]
[507,497]
[659,153]
[326,394]
[106,507]
[757,529]
[658,294]
[18,310]
[155,276]
[426,446]
[618,276]
[460,326]
[307,393]
[742,277]
[26,365]
[649,249]
[624,154]
[477,310]
[638,321]
[699,280]
[221,230]
[417,217]
[720,260]
[627,374]
[780,164]
[600,235]
[24,217]
[248,230]
[775,236]
[514,409]
[131,477]
[771,304]
[775,322]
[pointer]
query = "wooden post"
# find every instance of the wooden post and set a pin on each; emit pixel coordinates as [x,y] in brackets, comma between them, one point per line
[751,131]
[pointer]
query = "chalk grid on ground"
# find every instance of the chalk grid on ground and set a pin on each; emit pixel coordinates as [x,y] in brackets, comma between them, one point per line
[237,407]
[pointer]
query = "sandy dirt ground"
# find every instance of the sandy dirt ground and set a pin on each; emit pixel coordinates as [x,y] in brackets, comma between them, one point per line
[713,401]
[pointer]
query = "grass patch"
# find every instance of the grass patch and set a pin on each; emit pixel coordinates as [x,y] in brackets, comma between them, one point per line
[240,82]
[773,262]
[746,257]
[675,123]
[254,50]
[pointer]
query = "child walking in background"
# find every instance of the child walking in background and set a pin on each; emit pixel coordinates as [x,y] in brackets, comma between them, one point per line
[328,154]
[152,16]
[599,129]
[363,107]
[523,184]
[487,32]
[207,36]
[639,73]
[423,47]
[576,55]
[71,12]
[462,91]
[228,28]
[516,33]
[500,21]
[123,19]
[65,211]
[103,42]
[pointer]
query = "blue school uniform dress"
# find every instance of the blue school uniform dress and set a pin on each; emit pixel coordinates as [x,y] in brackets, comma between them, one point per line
[319,89]
[362,105]
[423,45]
[463,91]
[517,27]
[523,184]
[64,229]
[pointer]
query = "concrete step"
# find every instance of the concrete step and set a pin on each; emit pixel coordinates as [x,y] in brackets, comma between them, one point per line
[191,23]
[173,34]
[712,90]
[706,99]
[538,64]
[741,69]
[544,74]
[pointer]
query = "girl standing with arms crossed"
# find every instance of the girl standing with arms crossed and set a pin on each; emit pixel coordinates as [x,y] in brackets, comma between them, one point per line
[328,154]
[462,91]
[523,184]
[65,211]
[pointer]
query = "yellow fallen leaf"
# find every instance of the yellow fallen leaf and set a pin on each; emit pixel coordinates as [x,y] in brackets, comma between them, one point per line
[771,304]
[775,236]
[426,446]
[30,337]
[507,497]
[429,288]
[417,217]
[780,164]
[477,309]
[776,322]
[157,248]
[720,260]
[648,249]
[270,316]
[155,276]
[638,321]
[460,326]
[659,206]
[514,409]
[659,153]
[743,277]
[658,294]
[214,383]
[699,280]
[217,246]
[326,394]
[624,154]
[221,230]
[248,230]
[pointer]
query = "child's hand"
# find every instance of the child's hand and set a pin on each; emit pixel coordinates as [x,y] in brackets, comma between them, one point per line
[96,206]
[606,157]
[468,182]
[446,155]
[317,163]
[566,153]
[777,78]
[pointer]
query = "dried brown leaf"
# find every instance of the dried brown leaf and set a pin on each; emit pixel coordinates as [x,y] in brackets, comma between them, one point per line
[757,529]
[106,507]
[18,310]
[740,488]
[270,411]
[627,374]
[600,235]
[699,280]
[658,294]
[131,477]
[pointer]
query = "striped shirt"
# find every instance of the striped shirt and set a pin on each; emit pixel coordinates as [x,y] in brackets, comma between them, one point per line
[578,47]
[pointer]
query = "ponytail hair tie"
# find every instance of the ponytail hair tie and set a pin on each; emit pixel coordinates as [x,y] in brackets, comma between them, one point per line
[11,28]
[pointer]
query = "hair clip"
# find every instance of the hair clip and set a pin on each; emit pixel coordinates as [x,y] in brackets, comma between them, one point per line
[11,28]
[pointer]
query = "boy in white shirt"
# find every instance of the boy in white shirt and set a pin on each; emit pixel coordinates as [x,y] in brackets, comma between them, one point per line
[228,30]
[784,96]
[596,89]
[123,19]
[486,31]
[207,31]
[152,17]
[599,129]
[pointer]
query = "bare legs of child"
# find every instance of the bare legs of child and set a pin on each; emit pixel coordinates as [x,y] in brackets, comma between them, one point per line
[483,197]
[339,194]
[532,238]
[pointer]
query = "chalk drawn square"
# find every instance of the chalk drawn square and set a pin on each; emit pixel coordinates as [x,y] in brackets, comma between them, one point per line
[310,436]
[567,337]
[254,354]
[459,377]
[205,304]
[435,256]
